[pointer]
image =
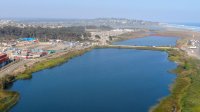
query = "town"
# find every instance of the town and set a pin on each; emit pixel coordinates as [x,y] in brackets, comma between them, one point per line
[17,54]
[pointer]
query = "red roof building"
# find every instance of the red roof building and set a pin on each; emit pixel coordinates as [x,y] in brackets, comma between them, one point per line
[4,59]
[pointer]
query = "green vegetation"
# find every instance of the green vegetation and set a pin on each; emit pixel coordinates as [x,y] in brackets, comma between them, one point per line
[64,33]
[5,81]
[7,100]
[23,76]
[185,92]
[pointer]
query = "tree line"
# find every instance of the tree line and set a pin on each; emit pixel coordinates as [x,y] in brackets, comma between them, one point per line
[64,33]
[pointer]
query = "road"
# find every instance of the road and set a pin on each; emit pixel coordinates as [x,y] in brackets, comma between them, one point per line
[12,67]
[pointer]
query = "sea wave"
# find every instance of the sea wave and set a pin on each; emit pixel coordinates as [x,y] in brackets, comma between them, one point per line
[182,26]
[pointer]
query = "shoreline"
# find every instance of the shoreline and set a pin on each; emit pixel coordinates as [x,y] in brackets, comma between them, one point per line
[45,64]
[180,99]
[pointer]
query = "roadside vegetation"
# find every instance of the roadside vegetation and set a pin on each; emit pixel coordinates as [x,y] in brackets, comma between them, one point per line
[185,92]
[7,98]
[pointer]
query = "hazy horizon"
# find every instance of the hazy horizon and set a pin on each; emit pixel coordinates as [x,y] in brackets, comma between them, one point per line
[180,11]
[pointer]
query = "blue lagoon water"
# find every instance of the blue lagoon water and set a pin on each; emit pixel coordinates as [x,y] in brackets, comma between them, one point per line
[102,80]
[150,41]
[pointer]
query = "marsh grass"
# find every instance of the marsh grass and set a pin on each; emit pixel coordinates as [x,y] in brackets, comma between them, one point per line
[185,92]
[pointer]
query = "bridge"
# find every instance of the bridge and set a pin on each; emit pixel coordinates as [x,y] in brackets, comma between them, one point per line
[158,48]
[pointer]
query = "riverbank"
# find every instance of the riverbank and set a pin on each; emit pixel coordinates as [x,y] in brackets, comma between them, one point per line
[50,63]
[10,98]
[185,91]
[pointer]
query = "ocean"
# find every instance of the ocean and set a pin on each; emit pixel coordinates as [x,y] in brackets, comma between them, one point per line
[189,26]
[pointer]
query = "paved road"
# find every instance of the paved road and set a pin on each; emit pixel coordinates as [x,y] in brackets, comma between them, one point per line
[12,67]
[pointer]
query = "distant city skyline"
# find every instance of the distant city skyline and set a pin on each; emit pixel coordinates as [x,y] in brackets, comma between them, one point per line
[154,10]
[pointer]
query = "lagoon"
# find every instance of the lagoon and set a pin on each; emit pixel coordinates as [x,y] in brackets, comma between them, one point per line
[102,80]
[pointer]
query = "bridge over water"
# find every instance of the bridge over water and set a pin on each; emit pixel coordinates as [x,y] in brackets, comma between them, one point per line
[159,48]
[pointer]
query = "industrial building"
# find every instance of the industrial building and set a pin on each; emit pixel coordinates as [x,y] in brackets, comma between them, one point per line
[4,59]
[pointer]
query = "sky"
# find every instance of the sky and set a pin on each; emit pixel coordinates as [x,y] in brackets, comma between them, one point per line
[152,10]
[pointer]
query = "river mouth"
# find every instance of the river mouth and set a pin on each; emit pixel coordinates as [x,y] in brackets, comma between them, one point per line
[102,80]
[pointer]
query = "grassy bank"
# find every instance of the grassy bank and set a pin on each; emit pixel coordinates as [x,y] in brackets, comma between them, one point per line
[10,98]
[185,92]
[50,63]
[7,100]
